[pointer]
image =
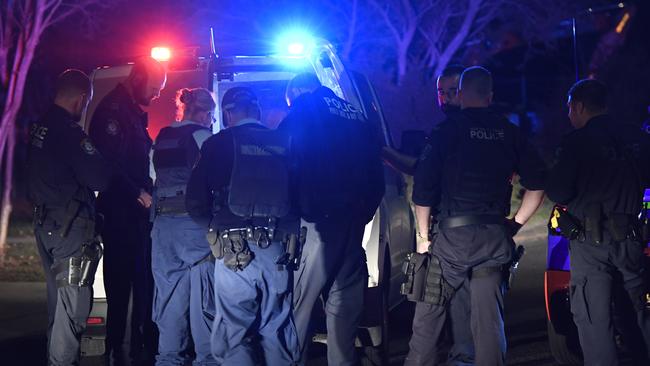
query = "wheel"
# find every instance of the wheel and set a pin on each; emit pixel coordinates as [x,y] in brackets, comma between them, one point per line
[564,348]
[378,355]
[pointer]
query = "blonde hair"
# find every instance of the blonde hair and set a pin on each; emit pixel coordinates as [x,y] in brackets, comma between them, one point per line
[191,101]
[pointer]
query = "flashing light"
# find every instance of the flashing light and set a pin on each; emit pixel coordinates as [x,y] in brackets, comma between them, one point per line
[295,43]
[161,54]
[296,48]
[92,320]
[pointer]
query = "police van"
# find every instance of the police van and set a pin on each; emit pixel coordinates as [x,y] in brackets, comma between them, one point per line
[562,331]
[388,238]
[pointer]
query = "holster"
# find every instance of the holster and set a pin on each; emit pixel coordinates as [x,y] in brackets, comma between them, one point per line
[594,223]
[415,269]
[81,269]
[563,223]
[293,245]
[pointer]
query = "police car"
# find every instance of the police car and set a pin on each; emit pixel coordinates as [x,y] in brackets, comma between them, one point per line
[388,238]
[562,332]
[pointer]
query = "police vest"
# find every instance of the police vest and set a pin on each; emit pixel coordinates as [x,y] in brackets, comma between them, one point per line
[258,193]
[479,164]
[174,155]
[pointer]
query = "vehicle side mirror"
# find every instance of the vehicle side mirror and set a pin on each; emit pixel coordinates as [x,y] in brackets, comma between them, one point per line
[413,142]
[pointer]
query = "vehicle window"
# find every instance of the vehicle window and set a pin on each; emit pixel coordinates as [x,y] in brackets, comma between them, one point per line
[270,94]
[371,108]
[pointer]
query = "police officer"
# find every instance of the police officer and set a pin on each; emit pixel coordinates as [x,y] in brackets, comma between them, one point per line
[182,264]
[241,189]
[463,180]
[64,170]
[600,174]
[119,128]
[459,332]
[447,97]
[341,186]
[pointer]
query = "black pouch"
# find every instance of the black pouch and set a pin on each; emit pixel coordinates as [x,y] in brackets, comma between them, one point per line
[216,245]
[236,253]
[437,291]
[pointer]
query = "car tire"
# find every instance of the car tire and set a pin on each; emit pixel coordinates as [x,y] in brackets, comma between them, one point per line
[564,348]
[378,355]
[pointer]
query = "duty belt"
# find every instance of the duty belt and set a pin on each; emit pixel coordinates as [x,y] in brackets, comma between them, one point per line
[260,236]
[458,221]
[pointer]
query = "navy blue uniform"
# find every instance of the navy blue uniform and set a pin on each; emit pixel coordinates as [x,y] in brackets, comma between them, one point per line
[64,165]
[341,186]
[606,164]
[463,175]
[119,128]
[182,265]
[253,323]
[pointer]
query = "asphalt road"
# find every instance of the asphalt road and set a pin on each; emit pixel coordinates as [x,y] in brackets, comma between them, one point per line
[23,318]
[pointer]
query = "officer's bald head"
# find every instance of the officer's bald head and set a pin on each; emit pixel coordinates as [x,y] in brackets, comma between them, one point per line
[302,83]
[73,92]
[475,89]
[146,80]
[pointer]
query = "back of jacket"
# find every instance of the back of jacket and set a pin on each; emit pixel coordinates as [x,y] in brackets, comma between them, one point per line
[63,163]
[467,167]
[605,162]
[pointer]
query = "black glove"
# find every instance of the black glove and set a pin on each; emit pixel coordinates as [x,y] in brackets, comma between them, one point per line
[513,227]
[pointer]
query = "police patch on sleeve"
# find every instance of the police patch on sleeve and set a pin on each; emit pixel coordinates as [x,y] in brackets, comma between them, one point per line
[88,147]
[112,127]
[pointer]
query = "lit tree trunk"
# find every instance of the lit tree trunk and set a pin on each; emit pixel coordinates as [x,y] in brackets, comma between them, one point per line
[7,187]
[24,53]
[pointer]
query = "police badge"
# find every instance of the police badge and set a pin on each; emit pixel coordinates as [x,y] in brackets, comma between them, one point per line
[112,127]
[88,147]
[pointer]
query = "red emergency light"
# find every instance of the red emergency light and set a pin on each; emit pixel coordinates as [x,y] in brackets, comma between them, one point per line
[95,320]
[161,54]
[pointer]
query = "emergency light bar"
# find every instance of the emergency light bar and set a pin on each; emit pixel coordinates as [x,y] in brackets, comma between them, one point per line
[161,54]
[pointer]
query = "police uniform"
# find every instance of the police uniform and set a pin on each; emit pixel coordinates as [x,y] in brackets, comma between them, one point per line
[456,343]
[253,323]
[600,173]
[64,170]
[341,185]
[464,176]
[182,264]
[119,129]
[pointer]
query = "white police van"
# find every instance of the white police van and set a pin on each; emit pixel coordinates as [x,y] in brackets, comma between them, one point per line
[388,238]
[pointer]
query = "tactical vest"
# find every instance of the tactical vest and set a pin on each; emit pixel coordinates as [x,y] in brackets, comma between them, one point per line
[174,155]
[259,189]
[479,164]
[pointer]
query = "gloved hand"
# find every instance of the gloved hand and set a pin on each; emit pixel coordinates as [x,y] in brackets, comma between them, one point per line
[512,226]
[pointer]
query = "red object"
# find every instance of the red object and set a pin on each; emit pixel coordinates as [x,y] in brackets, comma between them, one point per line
[95,320]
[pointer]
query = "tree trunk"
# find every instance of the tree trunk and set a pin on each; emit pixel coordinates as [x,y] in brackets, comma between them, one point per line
[22,60]
[5,211]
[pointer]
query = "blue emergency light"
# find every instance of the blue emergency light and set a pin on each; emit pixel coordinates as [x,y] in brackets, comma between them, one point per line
[294,43]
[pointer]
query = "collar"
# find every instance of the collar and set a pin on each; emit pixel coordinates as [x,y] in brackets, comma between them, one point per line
[247,121]
[597,120]
[126,98]
[186,122]
[60,113]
